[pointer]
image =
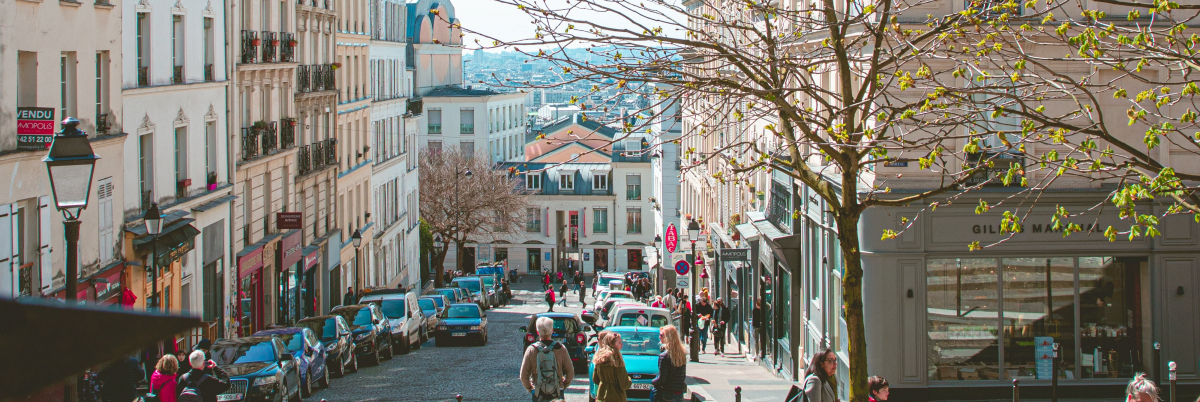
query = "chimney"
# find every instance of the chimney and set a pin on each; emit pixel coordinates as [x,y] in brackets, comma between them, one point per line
[575,118]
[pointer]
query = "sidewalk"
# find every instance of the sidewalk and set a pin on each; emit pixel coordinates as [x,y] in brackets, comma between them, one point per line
[714,378]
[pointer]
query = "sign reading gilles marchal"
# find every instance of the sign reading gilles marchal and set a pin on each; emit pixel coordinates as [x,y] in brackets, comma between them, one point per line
[35,128]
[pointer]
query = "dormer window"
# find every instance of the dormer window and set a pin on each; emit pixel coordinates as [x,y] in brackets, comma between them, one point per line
[600,182]
[566,181]
[533,181]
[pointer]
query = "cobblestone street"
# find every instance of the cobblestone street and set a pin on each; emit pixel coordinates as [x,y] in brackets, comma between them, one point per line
[478,373]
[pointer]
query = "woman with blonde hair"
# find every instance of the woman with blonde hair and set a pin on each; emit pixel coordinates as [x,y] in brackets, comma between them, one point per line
[1141,389]
[162,382]
[609,375]
[670,384]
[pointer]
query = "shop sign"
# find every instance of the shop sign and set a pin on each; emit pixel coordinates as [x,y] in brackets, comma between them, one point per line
[289,251]
[112,288]
[735,254]
[166,257]
[1035,228]
[250,262]
[35,128]
[311,260]
[289,220]
[672,238]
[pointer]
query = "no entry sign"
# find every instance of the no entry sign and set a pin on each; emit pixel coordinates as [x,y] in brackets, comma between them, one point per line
[682,268]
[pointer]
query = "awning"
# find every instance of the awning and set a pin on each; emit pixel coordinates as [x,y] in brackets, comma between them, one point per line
[49,333]
[173,241]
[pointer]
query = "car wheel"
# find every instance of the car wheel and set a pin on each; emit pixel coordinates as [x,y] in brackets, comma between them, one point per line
[306,386]
[378,354]
[324,379]
[405,347]
[297,397]
[353,362]
[420,339]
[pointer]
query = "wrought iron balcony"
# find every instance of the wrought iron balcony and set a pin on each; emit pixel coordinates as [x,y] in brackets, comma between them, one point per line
[304,156]
[250,142]
[177,75]
[103,124]
[304,78]
[270,138]
[327,77]
[287,53]
[209,73]
[250,42]
[330,152]
[143,76]
[270,48]
[287,133]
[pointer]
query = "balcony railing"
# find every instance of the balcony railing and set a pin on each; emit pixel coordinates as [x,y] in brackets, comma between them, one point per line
[208,73]
[327,77]
[103,124]
[270,47]
[250,42]
[287,53]
[287,133]
[466,128]
[146,199]
[143,76]
[250,142]
[177,75]
[270,139]
[304,156]
[304,75]
[435,128]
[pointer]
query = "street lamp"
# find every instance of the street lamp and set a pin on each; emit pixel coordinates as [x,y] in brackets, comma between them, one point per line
[693,235]
[70,164]
[437,245]
[658,257]
[153,220]
[356,239]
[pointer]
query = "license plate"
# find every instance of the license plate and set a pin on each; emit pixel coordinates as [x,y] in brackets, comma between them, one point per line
[236,397]
[637,385]
[459,334]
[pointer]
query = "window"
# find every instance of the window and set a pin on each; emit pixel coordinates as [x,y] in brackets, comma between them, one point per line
[177,49]
[566,181]
[143,49]
[534,221]
[146,164]
[435,121]
[106,241]
[533,181]
[600,220]
[27,64]
[209,38]
[467,148]
[66,71]
[633,187]
[600,181]
[466,121]
[101,86]
[633,221]
[180,153]
[435,146]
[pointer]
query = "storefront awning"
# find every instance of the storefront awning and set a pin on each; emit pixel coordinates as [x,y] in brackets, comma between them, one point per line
[49,341]
[171,236]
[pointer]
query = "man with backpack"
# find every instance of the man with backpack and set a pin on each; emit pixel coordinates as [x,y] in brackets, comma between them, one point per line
[546,369]
[204,382]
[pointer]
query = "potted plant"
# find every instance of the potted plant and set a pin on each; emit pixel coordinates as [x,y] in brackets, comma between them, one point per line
[335,65]
[292,43]
[256,41]
[212,181]
[260,125]
[687,217]
[292,123]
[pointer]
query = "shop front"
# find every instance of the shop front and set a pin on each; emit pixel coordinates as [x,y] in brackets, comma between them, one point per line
[288,259]
[250,303]
[310,281]
[942,321]
[775,262]
[163,253]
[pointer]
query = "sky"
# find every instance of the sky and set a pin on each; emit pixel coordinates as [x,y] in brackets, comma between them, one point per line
[506,22]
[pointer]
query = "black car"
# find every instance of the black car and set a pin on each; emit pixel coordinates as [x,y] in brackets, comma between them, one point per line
[260,369]
[372,333]
[465,321]
[339,342]
[568,329]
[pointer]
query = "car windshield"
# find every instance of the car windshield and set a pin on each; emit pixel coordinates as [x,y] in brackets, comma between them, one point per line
[327,328]
[619,296]
[237,353]
[294,341]
[426,304]
[462,312]
[470,284]
[358,317]
[489,281]
[450,293]
[441,303]
[642,320]
[393,308]
[639,343]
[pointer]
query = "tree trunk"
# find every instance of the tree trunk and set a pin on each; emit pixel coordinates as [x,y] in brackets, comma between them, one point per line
[439,262]
[848,236]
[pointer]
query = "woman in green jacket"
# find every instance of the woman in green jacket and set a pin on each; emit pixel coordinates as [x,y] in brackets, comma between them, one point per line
[609,373]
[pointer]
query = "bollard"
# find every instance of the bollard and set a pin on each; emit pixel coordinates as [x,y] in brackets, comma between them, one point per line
[458,397]
[1016,390]
[1054,376]
[737,394]
[1171,376]
[1157,364]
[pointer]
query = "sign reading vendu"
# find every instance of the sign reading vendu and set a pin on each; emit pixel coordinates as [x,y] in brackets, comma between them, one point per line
[35,128]
[672,238]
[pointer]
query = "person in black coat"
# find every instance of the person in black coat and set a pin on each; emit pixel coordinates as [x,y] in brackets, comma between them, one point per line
[757,322]
[204,377]
[120,380]
[670,384]
[720,322]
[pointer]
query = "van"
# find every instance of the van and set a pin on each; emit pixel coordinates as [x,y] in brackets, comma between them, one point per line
[405,315]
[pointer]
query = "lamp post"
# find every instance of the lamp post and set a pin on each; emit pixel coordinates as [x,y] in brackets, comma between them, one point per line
[693,235]
[437,245]
[70,164]
[153,220]
[658,257]
[356,239]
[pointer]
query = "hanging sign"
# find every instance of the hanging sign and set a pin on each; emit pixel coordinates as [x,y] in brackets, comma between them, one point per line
[35,128]
[735,254]
[672,238]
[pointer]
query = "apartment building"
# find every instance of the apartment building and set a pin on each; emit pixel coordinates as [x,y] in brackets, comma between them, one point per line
[353,135]
[174,83]
[394,116]
[263,122]
[666,129]
[55,70]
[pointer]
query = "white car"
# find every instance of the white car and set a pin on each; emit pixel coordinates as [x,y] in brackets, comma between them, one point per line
[612,294]
[402,310]
[634,315]
[602,282]
[610,305]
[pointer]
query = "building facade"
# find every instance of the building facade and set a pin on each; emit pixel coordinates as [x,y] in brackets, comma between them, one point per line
[353,137]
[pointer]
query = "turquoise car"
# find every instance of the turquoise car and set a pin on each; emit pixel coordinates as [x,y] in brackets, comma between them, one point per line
[640,352]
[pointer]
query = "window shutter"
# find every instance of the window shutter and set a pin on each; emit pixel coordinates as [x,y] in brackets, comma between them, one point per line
[583,222]
[105,192]
[45,211]
[8,278]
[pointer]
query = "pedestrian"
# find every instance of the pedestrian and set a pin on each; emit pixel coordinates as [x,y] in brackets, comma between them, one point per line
[446,277]
[507,292]
[562,293]
[1141,389]
[669,300]
[181,366]
[704,312]
[670,384]
[550,299]
[720,322]
[348,299]
[582,293]
[546,281]
[609,372]
[546,368]
[756,321]
[685,320]
[162,382]
[205,381]
[120,380]
[878,388]
[658,302]
[819,382]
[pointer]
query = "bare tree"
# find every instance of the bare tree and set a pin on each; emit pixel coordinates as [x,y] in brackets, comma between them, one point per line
[464,197]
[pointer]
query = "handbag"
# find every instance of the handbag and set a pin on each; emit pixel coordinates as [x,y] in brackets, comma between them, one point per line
[153,396]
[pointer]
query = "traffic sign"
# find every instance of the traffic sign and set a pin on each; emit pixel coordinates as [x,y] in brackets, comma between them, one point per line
[681,283]
[672,238]
[682,267]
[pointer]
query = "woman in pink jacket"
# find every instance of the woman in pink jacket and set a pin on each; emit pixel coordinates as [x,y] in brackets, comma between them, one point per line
[162,382]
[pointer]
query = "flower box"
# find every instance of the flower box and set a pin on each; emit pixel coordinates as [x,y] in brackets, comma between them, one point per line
[185,182]
[256,42]
[212,187]
[292,43]
[275,43]
[335,66]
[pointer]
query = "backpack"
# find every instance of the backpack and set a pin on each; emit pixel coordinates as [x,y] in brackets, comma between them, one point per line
[547,384]
[550,296]
[154,395]
[190,393]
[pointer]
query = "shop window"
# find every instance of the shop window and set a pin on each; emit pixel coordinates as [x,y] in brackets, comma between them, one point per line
[784,317]
[1114,317]
[1039,306]
[962,306]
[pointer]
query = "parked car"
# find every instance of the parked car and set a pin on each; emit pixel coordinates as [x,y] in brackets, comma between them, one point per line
[372,334]
[260,369]
[603,280]
[605,312]
[640,351]
[612,294]
[307,351]
[474,286]
[450,293]
[568,329]
[637,315]
[338,342]
[404,315]
[462,321]
[493,289]
[431,306]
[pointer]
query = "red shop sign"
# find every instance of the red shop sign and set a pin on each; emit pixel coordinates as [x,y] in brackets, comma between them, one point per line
[672,238]
[250,262]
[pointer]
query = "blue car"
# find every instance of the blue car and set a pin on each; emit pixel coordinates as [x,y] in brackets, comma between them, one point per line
[462,321]
[338,341]
[640,352]
[308,352]
[260,369]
